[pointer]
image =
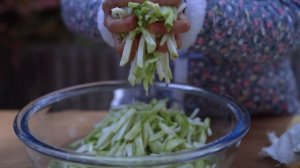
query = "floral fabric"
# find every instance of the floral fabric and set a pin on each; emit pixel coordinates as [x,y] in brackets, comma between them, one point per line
[242,50]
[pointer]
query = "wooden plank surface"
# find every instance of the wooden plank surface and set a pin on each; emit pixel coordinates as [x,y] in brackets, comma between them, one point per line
[13,153]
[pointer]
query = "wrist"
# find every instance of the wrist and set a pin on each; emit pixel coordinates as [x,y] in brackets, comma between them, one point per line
[106,35]
[195,12]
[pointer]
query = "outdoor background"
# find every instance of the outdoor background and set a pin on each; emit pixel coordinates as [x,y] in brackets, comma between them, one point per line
[39,55]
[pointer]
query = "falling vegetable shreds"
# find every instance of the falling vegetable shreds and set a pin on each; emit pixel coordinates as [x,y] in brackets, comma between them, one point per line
[147,60]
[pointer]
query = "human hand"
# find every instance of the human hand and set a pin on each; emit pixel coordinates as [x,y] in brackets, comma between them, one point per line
[129,23]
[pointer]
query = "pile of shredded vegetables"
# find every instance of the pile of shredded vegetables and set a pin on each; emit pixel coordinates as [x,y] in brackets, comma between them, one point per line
[142,129]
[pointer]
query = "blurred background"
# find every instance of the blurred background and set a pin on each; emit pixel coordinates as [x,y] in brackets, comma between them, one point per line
[39,55]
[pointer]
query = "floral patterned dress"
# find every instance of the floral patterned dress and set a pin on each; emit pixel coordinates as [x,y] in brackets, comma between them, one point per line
[242,50]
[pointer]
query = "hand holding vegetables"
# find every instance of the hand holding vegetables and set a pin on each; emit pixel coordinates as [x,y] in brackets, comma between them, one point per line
[146,32]
[129,23]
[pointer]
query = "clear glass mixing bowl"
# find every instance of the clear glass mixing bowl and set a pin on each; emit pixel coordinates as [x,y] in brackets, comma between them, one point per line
[47,125]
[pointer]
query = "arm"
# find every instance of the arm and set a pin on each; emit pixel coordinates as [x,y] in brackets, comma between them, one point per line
[81,16]
[251,30]
[86,18]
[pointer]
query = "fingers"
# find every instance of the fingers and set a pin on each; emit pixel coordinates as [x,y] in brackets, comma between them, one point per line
[181,25]
[158,27]
[119,45]
[109,4]
[162,48]
[178,41]
[129,23]
[120,25]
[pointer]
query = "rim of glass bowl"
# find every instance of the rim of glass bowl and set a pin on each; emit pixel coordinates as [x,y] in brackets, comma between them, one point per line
[23,133]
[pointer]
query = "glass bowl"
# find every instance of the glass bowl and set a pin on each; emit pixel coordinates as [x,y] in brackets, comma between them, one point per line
[47,125]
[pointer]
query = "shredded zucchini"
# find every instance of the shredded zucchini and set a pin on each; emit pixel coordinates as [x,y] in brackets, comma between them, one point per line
[142,129]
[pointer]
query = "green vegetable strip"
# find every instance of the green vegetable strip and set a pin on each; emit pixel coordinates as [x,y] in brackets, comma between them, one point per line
[140,52]
[170,17]
[122,131]
[166,129]
[164,58]
[172,46]
[173,143]
[140,148]
[160,70]
[106,135]
[195,113]
[134,131]
[132,76]
[129,149]
[181,8]
[133,5]
[150,41]
[157,136]
[121,122]
[126,52]
[163,39]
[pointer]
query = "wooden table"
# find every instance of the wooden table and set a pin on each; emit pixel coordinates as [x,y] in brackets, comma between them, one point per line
[13,153]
